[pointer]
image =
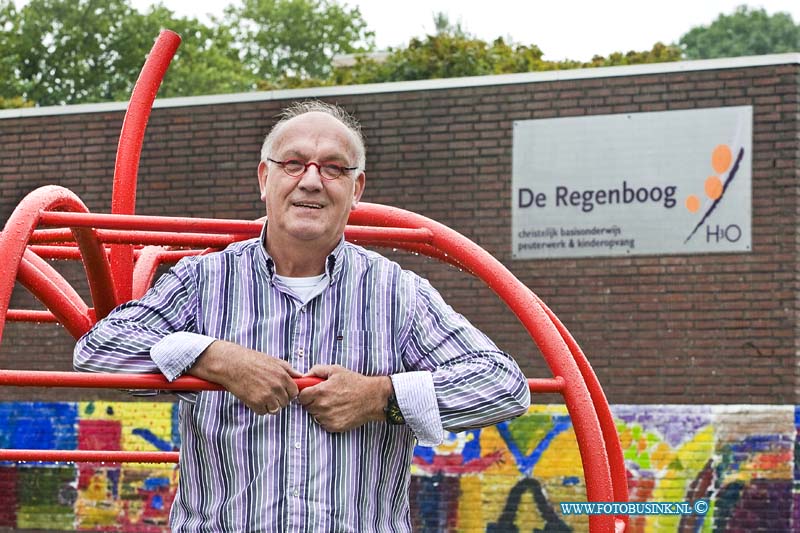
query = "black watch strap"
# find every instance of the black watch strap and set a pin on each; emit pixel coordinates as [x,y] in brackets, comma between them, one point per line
[392,411]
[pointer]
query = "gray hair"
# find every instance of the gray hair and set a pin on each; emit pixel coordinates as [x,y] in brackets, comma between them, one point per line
[311,106]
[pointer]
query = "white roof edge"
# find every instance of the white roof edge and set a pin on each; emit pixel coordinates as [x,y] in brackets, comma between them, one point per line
[407,86]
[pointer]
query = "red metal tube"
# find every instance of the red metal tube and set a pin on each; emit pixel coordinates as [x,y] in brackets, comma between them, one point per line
[415,247]
[62,236]
[162,238]
[97,265]
[74,253]
[144,271]
[139,381]
[148,260]
[56,251]
[39,378]
[30,315]
[542,385]
[243,228]
[129,149]
[18,230]
[146,238]
[150,223]
[110,458]
[607,424]
[44,282]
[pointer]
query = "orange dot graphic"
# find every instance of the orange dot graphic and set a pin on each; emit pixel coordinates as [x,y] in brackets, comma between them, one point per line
[713,187]
[692,203]
[721,158]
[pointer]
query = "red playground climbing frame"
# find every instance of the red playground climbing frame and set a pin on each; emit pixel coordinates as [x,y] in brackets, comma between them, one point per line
[121,252]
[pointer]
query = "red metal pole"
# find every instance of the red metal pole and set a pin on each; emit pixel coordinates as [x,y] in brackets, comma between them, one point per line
[103,380]
[145,270]
[19,228]
[110,458]
[155,238]
[126,168]
[151,223]
[543,385]
[56,251]
[98,271]
[616,458]
[44,282]
[241,228]
[41,378]
[29,315]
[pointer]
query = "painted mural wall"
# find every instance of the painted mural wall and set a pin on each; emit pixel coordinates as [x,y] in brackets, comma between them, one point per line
[509,477]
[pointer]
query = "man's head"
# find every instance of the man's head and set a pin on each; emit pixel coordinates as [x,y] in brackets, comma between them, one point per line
[315,106]
[304,205]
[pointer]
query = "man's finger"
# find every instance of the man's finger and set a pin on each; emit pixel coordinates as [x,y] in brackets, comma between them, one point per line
[290,369]
[322,371]
[307,396]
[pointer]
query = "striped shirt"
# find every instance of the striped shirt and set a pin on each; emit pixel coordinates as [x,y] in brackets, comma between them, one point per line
[240,472]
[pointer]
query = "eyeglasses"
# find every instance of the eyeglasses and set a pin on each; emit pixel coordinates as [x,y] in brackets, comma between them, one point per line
[296,168]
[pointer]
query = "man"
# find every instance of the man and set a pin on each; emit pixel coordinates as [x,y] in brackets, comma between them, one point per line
[399,365]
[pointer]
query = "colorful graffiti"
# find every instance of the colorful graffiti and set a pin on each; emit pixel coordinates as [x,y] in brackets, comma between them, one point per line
[509,477]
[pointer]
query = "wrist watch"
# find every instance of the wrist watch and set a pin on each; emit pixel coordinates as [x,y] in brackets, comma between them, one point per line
[392,411]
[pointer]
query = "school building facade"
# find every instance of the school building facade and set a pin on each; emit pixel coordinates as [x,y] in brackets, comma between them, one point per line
[654,208]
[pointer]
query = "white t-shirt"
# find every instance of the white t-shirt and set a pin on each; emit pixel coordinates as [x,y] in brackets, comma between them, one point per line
[303,288]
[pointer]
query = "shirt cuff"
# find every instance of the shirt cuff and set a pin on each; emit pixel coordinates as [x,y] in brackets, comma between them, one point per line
[177,352]
[417,400]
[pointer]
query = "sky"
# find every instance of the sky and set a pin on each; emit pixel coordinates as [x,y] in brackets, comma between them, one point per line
[562,29]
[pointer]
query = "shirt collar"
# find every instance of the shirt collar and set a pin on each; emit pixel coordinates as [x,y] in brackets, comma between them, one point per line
[333,263]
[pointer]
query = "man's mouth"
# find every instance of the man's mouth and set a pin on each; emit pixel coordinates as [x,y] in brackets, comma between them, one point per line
[307,205]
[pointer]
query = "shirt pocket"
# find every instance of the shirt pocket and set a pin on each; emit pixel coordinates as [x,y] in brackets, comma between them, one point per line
[368,352]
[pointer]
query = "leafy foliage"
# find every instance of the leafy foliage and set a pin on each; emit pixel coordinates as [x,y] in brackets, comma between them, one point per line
[10,88]
[76,51]
[453,52]
[295,39]
[207,61]
[742,33]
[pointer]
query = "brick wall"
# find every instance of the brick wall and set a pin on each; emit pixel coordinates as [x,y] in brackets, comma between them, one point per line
[657,329]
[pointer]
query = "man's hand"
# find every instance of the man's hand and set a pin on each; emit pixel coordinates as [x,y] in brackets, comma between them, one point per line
[346,399]
[264,383]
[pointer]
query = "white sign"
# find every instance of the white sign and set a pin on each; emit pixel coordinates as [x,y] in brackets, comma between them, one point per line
[633,184]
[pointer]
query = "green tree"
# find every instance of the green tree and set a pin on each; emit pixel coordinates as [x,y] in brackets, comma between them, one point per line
[207,61]
[742,33]
[76,51]
[660,53]
[69,51]
[450,52]
[10,87]
[287,41]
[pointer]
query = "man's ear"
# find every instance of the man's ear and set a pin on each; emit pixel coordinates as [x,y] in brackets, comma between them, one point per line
[262,180]
[361,182]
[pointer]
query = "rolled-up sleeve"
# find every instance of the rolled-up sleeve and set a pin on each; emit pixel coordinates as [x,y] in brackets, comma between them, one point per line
[474,383]
[156,333]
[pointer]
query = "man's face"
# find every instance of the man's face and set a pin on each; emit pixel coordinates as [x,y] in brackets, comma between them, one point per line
[310,210]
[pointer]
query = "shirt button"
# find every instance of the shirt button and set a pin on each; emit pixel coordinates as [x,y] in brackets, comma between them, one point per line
[303,309]
[300,352]
[296,492]
[297,445]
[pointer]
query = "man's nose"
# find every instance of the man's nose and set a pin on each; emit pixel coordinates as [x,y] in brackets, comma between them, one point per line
[311,178]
